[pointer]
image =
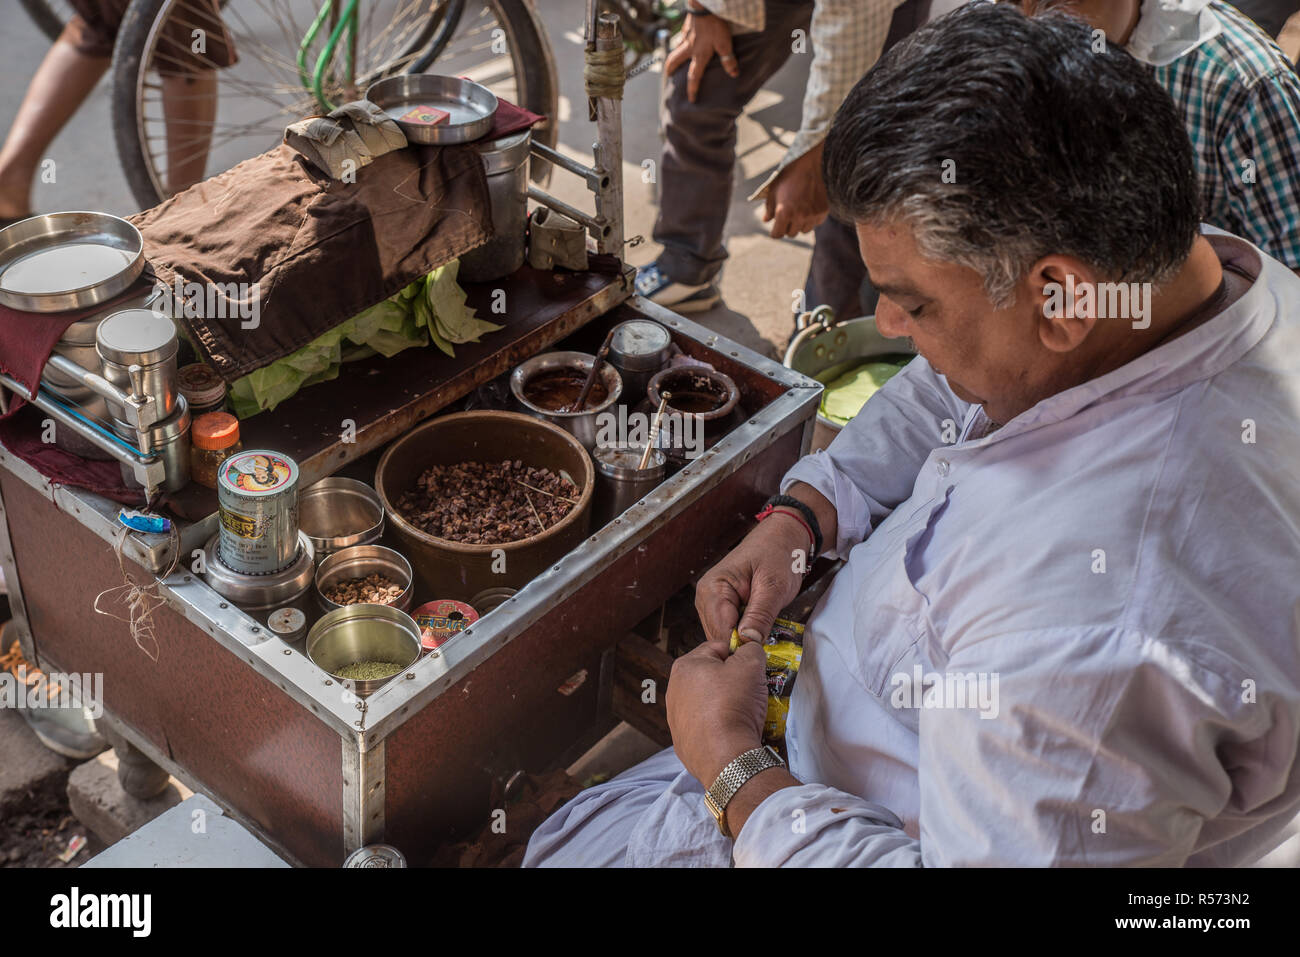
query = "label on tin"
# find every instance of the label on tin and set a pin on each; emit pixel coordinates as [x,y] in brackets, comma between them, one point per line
[258,473]
[441,620]
[257,492]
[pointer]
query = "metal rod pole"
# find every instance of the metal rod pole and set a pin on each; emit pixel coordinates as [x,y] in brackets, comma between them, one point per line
[595,178]
[609,146]
[596,227]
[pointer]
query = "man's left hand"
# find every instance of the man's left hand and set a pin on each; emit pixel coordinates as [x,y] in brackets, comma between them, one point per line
[796,201]
[717,703]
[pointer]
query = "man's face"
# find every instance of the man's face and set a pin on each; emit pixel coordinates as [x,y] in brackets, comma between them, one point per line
[990,356]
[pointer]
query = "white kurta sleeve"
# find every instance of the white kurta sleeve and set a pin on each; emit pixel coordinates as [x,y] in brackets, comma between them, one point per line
[1101,747]
[872,464]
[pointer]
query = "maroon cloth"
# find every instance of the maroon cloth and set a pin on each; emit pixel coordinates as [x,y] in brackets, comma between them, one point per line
[20,433]
[28,338]
[511,119]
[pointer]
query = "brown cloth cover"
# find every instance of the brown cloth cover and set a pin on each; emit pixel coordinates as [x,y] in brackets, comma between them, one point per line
[320,251]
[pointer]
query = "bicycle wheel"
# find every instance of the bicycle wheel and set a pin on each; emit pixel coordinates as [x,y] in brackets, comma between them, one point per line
[181,114]
[49,15]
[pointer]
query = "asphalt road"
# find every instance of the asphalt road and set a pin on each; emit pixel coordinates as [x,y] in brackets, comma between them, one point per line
[757,282]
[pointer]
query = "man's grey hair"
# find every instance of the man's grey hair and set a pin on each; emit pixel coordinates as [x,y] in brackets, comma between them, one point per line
[1000,138]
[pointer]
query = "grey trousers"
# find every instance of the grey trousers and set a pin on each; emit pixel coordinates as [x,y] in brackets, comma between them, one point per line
[699,158]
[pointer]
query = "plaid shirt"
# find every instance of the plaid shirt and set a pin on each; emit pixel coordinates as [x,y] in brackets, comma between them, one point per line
[846,37]
[1240,100]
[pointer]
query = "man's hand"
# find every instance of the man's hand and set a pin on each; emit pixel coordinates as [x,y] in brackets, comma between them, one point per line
[757,574]
[702,37]
[716,706]
[796,201]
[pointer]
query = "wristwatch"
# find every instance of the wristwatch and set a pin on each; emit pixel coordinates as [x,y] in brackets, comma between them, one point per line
[733,777]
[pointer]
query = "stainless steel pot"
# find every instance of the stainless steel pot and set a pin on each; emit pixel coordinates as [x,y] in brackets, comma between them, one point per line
[639,349]
[364,633]
[139,337]
[260,595]
[58,262]
[358,562]
[170,438]
[620,483]
[583,426]
[825,349]
[78,343]
[506,163]
[337,513]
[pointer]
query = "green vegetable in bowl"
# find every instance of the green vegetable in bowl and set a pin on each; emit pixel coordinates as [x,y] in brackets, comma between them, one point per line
[845,396]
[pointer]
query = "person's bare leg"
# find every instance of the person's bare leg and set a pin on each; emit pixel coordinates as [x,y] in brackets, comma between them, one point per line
[189,107]
[61,84]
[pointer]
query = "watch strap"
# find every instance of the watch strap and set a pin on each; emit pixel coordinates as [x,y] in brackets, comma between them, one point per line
[733,777]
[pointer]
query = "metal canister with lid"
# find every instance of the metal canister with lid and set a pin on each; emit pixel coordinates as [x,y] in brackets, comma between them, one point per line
[257,498]
[139,337]
[203,389]
[619,481]
[638,349]
[376,855]
[170,439]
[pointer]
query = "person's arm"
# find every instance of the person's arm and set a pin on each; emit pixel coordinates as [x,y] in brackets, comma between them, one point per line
[846,38]
[1100,747]
[1259,158]
[869,468]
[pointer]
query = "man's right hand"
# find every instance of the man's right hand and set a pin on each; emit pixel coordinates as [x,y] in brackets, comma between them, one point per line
[758,575]
[702,37]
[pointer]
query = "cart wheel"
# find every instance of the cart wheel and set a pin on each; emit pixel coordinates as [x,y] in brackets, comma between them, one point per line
[215,110]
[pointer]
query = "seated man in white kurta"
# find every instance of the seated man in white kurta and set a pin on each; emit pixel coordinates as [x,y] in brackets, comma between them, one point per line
[1096,517]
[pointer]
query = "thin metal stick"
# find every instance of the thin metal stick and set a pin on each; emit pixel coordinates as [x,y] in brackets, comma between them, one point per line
[654,430]
[542,491]
[534,508]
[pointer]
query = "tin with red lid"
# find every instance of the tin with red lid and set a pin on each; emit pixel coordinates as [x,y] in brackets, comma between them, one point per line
[441,620]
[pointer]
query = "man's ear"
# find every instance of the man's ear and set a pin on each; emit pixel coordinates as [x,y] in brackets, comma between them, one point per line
[1063,291]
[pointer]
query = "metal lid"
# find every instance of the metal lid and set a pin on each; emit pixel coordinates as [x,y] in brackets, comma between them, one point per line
[259,591]
[490,598]
[160,433]
[136,337]
[620,462]
[289,623]
[257,472]
[198,383]
[376,855]
[505,154]
[639,345]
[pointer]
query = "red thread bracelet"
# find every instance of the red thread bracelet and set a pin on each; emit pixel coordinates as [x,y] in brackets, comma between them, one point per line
[786,510]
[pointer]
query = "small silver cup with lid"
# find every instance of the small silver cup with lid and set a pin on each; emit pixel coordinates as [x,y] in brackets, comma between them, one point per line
[139,337]
[170,439]
[638,350]
[619,483]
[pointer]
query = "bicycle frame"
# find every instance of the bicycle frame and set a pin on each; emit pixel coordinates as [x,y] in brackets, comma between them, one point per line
[444,23]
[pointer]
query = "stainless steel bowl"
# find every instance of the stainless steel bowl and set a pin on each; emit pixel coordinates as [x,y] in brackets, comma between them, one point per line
[470,104]
[337,513]
[364,633]
[259,595]
[360,561]
[826,348]
[56,238]
[583,426]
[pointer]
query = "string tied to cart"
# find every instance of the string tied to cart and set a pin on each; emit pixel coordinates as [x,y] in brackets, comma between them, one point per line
[141,601]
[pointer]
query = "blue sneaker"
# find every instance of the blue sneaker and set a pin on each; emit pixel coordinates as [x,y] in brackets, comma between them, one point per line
[653,283]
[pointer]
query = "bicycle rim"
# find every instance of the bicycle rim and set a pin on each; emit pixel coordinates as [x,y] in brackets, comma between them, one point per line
[262,91]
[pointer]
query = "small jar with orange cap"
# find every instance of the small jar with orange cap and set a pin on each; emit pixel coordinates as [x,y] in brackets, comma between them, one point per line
[214,437]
